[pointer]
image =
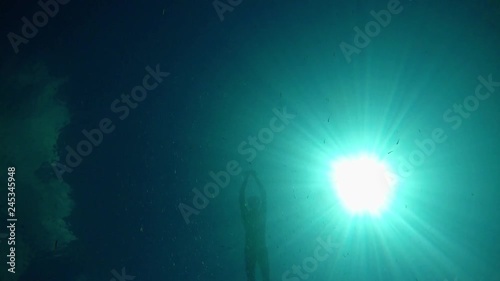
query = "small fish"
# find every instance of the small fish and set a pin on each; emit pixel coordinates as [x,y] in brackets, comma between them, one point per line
[397,142]
[389,152]
[55,245]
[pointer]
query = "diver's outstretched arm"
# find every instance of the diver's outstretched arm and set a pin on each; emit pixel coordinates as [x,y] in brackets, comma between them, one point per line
[261,190]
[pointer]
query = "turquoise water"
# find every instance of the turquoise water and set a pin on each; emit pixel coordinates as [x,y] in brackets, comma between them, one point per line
[131,127]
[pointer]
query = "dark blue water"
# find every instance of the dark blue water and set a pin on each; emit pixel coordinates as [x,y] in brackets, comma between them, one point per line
[131,125]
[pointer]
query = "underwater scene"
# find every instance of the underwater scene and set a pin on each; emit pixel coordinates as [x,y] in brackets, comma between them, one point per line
[340,140]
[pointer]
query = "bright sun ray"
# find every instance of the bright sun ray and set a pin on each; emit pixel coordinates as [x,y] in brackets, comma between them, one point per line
[363,184]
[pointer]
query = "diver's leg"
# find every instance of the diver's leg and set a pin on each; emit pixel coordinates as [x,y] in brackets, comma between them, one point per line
[264,263]
[250,262]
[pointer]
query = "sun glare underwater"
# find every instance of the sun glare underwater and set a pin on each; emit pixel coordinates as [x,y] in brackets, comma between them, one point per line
[363,183]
